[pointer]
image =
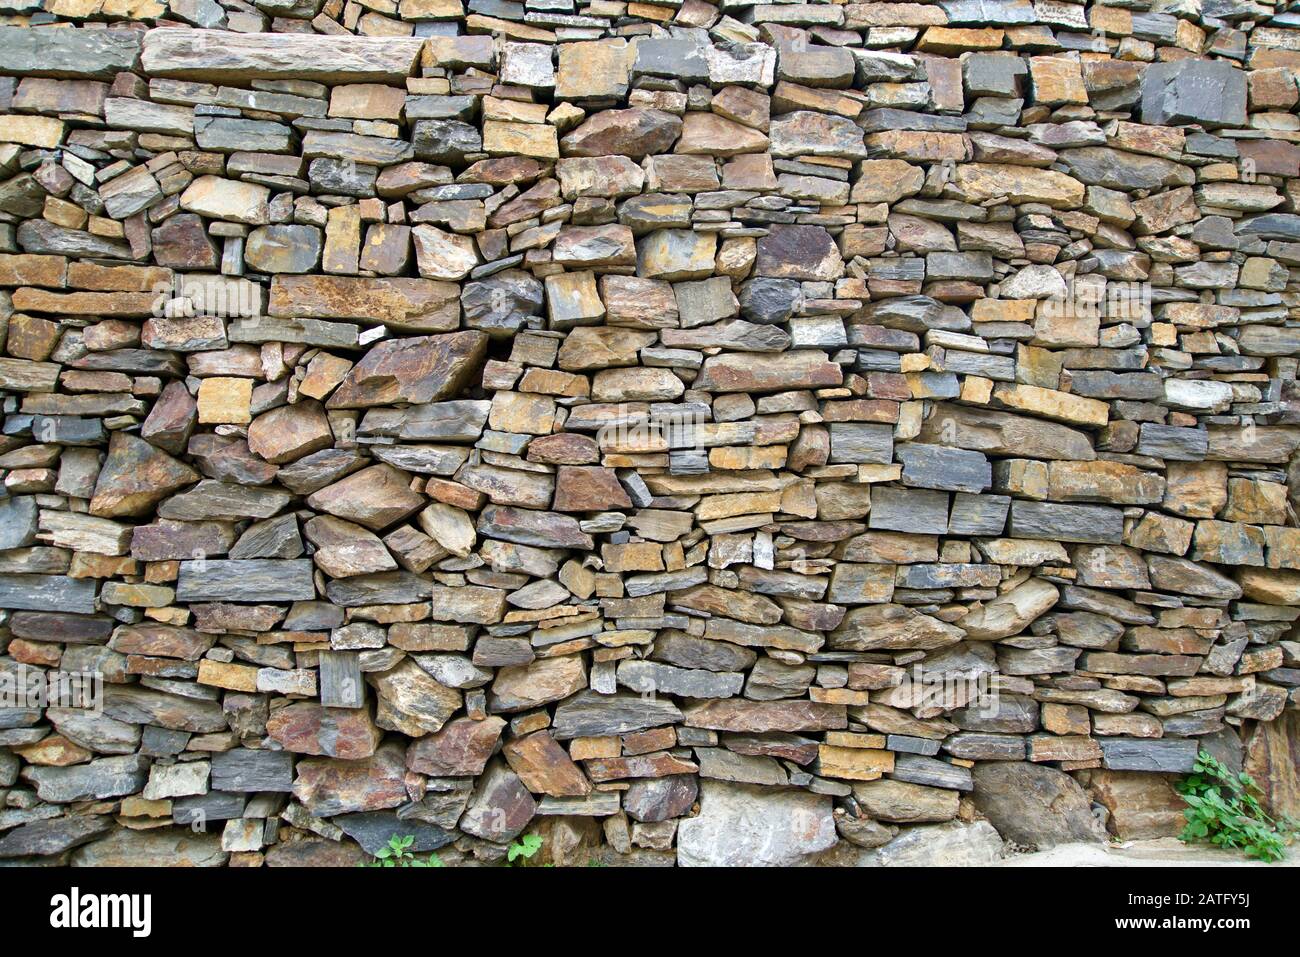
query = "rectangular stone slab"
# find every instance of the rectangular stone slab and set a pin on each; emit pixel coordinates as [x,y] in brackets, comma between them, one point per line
[218,55]
[252,580]
[48,593]
[1165,755]
[68,53]
[1067,523]
[245,769]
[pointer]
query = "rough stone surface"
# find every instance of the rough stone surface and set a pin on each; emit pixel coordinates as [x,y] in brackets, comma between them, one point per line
[611,421]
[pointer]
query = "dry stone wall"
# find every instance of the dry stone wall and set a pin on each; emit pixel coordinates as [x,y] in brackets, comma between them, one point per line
[697,433]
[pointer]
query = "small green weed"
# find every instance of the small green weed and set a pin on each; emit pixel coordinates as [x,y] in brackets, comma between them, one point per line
[523,850]
[1223,810]
[397,854]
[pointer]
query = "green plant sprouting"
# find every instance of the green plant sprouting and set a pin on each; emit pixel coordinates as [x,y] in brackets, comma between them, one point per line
[1222,809]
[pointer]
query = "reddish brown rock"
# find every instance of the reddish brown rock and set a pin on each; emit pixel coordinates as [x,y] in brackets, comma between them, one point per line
[759,716]
[416,371]
[289,432]
[307,728]
[172,419]
[634,132]
[563,448]
[408,304]
[544,767]
[460,749]
[369,783]
[135,477]
[375,497]
[588,488]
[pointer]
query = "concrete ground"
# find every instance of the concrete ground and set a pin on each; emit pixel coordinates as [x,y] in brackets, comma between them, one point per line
[1164,852]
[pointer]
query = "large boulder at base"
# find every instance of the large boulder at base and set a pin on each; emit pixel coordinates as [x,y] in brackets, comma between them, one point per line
[954,844]
[1034,805]
[743,826]
[1141,806]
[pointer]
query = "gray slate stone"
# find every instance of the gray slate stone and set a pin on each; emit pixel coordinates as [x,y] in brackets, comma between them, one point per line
[1209,92]
[1165,755]
[252,580]
[67,52]
[1096,524]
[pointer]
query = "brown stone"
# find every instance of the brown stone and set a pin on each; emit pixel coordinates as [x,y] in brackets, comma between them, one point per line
[135,477]
[419,370]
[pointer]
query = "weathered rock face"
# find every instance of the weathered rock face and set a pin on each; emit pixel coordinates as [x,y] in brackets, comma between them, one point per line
[745,826]
[1034,805]
[706,433]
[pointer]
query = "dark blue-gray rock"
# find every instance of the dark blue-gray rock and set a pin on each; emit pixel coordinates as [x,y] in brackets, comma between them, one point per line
[94,730]
[136,704]
[213,806]
[1115,169]
[1209,92]
[445,141]
[456,420]
[1280,226]
[937,467]
[862,443]
[343,177]
[1097,524]
[53,836]
[48,593]
[68,53]
[1034,805]
[245,769]
[382,588]
[907,744]
[768,300]
[372,829]
[679,58]
[993,74]
[915,314]
[43,236]
[982,746]
[94,781]
[253,580]
[588,714]
[1186,577]
[908,510]
[1164,755]
[651,677]
[18,515]
[687,651]
[978,514]
[501,304]
[1173,442]
[719,764]
[934,772]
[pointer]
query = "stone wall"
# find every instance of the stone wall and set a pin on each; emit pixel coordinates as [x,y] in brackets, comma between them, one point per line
[697,433]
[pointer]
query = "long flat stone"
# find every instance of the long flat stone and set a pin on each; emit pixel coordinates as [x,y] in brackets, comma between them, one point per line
[48,593]
[218,55]
[68,53]
[251,580]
